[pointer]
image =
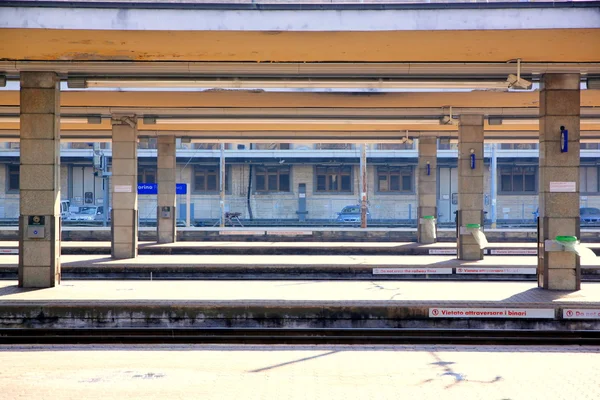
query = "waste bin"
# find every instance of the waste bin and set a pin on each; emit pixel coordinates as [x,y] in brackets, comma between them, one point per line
[571,244]
[478,234]
[429,222]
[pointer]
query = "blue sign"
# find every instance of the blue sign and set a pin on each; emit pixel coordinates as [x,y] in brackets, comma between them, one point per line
[181,188]
[152,188]
[147,188]
[564,140]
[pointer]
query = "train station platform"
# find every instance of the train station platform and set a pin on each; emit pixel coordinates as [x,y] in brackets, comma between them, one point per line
[299,304]
[256,267]
[292,248]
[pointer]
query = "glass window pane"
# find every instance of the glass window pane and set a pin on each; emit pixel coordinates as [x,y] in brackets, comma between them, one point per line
[530,183]
[260,183]
[200,183]
[518,183]
[346,187]
[211,183]
[333,182]
[273,182]
[284,182]
[321,185]
[406,183]
[394,183]
[506,183]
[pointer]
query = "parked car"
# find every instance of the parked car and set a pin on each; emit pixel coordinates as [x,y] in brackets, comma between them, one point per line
[589,214]
[64,209]
[350,214]
[586,214]
[88,213]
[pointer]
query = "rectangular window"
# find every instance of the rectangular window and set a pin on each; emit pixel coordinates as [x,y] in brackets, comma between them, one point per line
[271,146]
[518,179]
[395,179]
[334,179]
[206,179]
[334,146]
[272,179]
[13,178]
[518,146]
[395,146]
[146,175]
[588,179]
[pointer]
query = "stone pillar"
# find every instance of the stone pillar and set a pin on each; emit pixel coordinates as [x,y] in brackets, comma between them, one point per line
[166,225]
[558,180]
[124,187]
[39,181]
[427,186]
[470,184]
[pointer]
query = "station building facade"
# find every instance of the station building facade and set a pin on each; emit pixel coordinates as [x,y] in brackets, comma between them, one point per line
[265,181]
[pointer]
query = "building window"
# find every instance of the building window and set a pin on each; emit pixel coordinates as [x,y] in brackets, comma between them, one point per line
[271,146]
[206,179]
[12,181]
[334,179]
[272,179]
[518,179]
[588,179]
[146,175]
[589,146]
[519,146]
[334,146]
[395,146]
[395,179]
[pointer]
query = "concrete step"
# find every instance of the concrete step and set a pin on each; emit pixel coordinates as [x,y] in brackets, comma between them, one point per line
[298,305]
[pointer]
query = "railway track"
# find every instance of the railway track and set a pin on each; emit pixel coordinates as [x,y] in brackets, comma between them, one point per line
[297,336]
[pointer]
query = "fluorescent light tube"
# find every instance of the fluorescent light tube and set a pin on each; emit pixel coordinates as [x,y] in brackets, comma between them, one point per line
[65,120]
[582,121]
[299,121]
[291,84]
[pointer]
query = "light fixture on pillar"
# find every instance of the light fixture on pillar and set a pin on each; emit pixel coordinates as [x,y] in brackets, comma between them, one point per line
[406,139]
[428,168]
[564,140]
[448,119]
[515,81]
[472,159]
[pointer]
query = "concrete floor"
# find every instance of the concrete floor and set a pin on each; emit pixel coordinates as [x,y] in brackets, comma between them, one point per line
[299,372]
[302,292]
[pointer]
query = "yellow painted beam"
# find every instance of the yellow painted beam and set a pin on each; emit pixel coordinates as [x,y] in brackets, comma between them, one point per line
[551,45]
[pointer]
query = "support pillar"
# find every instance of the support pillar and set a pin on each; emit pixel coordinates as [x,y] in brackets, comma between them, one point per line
[559,180]
[124,187]
[427,186]
[166,211]
[363,186]
[39,181]
[470,184]
[222,185]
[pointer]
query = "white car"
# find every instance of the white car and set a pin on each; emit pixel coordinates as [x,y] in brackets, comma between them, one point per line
[85,214]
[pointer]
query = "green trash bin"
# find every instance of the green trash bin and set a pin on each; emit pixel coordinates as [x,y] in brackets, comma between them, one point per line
[478,234]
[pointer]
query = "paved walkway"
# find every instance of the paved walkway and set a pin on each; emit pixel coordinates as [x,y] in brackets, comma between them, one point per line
[305,292]
[423,372]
